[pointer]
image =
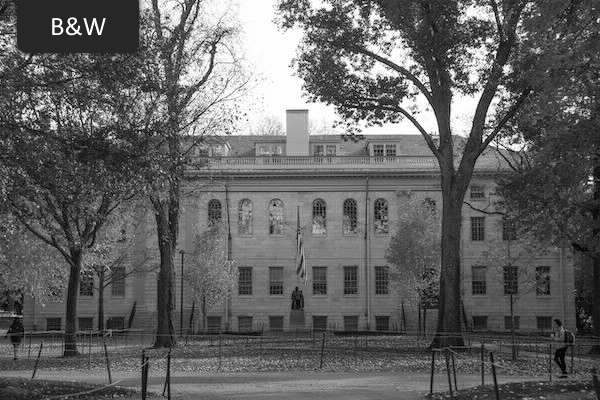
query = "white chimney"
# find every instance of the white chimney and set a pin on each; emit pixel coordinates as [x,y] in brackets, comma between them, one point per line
[296,127]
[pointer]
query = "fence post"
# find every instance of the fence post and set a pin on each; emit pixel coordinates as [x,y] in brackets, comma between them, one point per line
[168,377]
[143,374]
[29,351]
[482,365]
[494,375]
[448,373]
[220,352]
[432,371]
[596,384]
[454,371]
[322,351]
[107,363]
[37,360]
[572,357]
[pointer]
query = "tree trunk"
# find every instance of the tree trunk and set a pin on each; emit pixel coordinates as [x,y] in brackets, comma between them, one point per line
[165,332]
[449,330]
[71,306]
[596,303]
[101,275]
[512,327]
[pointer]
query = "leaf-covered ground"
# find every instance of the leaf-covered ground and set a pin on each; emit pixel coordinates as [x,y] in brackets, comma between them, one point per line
[27,389]
[563,390]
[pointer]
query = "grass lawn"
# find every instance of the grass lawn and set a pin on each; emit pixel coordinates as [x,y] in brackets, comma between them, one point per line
[27,389]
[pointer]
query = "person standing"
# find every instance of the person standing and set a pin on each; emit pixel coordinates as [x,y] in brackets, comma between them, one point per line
[558,335]
[16,333]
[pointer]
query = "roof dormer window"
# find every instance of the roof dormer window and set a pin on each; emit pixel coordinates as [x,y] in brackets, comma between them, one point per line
[381,150]
[320,150]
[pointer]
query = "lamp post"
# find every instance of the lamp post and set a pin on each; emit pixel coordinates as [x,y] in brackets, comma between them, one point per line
[181,304]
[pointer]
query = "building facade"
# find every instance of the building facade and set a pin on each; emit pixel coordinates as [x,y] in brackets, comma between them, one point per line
[344,197]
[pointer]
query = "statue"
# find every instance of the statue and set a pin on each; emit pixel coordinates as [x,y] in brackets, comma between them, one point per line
[297,300]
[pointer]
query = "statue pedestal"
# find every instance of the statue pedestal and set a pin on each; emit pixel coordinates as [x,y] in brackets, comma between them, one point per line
[296,320]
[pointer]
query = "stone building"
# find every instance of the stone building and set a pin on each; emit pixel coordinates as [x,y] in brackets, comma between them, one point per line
[345,197]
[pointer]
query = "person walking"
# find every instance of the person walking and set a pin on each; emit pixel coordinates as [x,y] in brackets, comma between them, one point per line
[16,333]
[558,335]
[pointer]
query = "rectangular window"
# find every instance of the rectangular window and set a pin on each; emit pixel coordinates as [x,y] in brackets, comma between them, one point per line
[213,324]
[477,192]
[275,281]
[319,280]
[118,281]
[378,150]
[276,324]
[244,324]
[390,150]
[245,281]
[507,322]
[480,323]
[477,229]
[381,280]
[544,323]
[318,150]
[319,323]
[86,284]
[330,149]
[509,231]
[542,281]
[382,323]
[479,282]
[351,323]
[53,324]
[511,281]
[350,280]
[85,323]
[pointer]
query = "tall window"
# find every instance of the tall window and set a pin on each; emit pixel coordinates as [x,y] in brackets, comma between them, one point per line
[275,280]
[245,217]
[276,217]
[479,282]
[381,280]
[86,284]
[351,280]
[477,229]
[350,220]
[542,281]
[245,281]
[480,322]
[381,216]
[319,280]
[509,231]
[319,220]
[382,323]
[511,284]
[118,281]
[477,192]
[214,212]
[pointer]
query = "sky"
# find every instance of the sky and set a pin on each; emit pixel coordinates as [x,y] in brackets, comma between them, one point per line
[270,51]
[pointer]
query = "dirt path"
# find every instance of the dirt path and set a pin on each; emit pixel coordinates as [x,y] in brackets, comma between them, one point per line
[288,385]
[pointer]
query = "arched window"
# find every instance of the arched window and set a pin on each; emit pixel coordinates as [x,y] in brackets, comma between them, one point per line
[349,221]
[245,217]
[381,216]
[276,217]
[214,212]
[319,220]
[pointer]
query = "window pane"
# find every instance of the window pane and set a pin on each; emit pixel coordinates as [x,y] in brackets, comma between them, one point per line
[245,324]
[245,281]
[477,192]
[319,323]
[319,217]
[378,150]
[86,285]
[381,216]
[477,228]
[390,150]
[511,284]
[331,149]
[276,217]
[245,217]
[118,281]
[480,323]
[479,280]
[319,280]
[542,280]
[214,212]
[381,280]
[351,280]
[350,220]
[318,150]
[275,280]
[382,323]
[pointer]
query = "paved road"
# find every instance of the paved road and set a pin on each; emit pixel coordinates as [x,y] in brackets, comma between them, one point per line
[288,385]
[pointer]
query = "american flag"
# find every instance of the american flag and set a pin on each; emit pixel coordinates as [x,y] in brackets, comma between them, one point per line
[300,258]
